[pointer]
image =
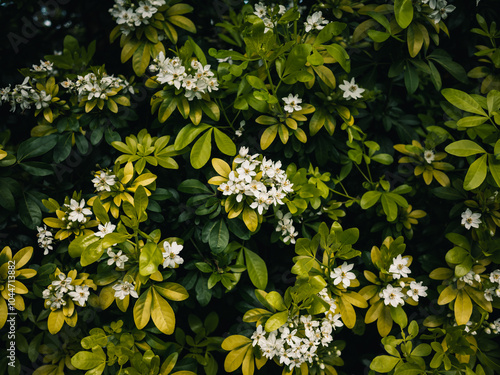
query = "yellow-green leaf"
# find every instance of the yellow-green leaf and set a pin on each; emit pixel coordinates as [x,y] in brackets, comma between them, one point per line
[162,314]
[463,308]
[142,309]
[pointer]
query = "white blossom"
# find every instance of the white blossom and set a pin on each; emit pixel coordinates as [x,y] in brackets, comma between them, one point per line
[292,103]
[123,289]
[78,212]
[45,239]
[351,90]
[117,258]
[399,268]
[105,229]
[342,275]
[80,295]
[103,181]
[393,296]
[171,254]
[417,290]
[470,220]
[315,22]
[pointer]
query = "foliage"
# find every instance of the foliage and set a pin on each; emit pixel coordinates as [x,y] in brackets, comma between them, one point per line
[258,185]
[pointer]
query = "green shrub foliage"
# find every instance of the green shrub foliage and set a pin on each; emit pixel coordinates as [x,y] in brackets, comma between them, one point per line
[303,187]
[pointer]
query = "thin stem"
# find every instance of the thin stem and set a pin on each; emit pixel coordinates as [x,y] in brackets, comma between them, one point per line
[360,171]
[341,194]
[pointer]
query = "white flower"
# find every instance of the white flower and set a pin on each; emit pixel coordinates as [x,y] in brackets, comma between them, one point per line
[292,103]
[315,21]
[442,10]
[123,289]
[282,10]
[105,229]
[260,10]
[398,267]
[45,239]
[393,296]
[78,212]
[470,219]
[57,301]
[417,290]
[146,10]
[342,275]
[351,90]
[429,156]
[80,295]
[63,284]
[258,335]
[489,293]
[117,258]
[261,203]
[495,276]
[171,254]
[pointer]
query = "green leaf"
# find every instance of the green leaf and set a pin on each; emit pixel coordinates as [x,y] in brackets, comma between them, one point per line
[224,143]
[36,146]
[149,259]
[476,173]
[99,212]
[297,58]
[276,321]
[384,363]
[256,82]
[92,253]
[219,237]
[141,203]
[403,10]
[464,148]
[411,78]
[76,247]
[29,211]
[257,270]
[202,149]
[494,166]
[463,101]
[369,199]
[399,316]
[339,53]
[471,121]
[193,186]
[89,360]
[36,168]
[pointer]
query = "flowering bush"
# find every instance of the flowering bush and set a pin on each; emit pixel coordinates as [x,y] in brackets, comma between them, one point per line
[258,185]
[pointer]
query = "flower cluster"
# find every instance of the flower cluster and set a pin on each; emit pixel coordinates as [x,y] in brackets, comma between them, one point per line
[45,66]
[25,96]
[315,22]
[298,341]
[171,256]
[396,296]
[103,181]
[493,328]
[265,14]
[470,220]
[60,289]
[195,79]
[123,289]
[351,90]
[285,226]
[494,290]
[263,181]
[92,86]
[45,239]
[129,16]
